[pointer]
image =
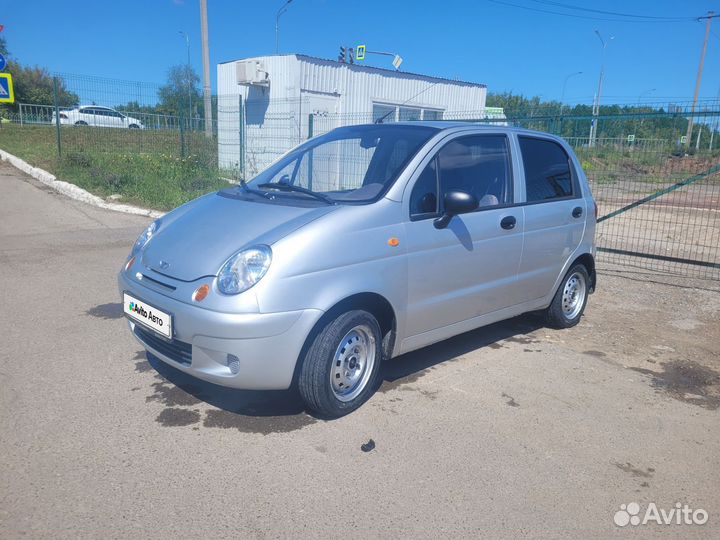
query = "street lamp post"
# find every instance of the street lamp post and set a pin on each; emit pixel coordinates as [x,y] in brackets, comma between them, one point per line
[187,74]
[280,11]
[596,105]
[562,95]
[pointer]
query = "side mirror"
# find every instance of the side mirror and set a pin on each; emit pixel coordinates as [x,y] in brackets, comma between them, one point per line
[456,202]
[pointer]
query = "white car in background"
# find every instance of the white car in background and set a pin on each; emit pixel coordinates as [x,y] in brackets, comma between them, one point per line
[94,115]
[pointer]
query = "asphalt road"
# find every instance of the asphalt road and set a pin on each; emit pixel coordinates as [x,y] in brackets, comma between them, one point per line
[509,431]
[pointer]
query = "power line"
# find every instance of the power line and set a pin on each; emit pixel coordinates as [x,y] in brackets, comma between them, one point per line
[576,16]
[578,8]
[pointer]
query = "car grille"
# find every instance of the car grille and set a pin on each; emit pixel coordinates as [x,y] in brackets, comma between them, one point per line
[179,351]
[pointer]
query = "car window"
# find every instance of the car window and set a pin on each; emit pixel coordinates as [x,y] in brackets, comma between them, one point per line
[87,110]
[477,164]
[354,164]
[547,170]
[423,199]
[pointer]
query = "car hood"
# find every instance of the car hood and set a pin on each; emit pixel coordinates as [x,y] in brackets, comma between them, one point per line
[195,240]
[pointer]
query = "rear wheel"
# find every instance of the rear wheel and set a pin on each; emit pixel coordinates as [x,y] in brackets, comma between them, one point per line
[570,299]
[80,123]
[134,126]
[340,367]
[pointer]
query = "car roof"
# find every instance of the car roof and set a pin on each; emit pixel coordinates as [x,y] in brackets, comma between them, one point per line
[459,125]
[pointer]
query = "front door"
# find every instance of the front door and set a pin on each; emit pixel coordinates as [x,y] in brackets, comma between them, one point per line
[470,268]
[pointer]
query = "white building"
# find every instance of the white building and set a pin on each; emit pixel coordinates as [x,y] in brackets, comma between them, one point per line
[268,104]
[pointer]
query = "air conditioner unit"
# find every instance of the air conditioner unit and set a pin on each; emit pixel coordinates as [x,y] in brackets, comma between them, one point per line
[252,72]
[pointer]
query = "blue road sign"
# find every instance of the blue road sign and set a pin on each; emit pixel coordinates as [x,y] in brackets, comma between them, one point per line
[7,95]
[3,63]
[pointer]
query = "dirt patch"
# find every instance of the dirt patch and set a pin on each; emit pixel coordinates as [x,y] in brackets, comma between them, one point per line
[689,382]
[113,310]
[264,425]
[173,417]
[171,395]
[510,400]
[635,471]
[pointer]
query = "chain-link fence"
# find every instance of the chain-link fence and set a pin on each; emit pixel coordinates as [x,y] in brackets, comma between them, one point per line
[658,192]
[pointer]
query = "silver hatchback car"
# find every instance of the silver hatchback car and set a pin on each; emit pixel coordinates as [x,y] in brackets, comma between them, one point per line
[358,246]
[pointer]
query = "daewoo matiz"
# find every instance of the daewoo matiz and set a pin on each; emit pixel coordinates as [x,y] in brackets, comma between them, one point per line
[361,245]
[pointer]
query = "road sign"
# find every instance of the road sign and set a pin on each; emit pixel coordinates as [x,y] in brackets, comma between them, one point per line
[3,63]
[683,139]
[397,61]
[631,138]
[360,52]
[7,94]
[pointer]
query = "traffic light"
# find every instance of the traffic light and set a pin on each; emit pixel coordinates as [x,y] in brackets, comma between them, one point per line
[342,56]
[351,54]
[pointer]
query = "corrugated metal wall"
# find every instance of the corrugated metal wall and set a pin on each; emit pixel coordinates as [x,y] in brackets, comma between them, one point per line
[258,124]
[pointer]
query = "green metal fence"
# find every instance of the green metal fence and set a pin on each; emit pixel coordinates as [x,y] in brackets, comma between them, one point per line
[658,194]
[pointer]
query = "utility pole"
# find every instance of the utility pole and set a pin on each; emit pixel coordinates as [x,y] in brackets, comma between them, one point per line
[709,18]
[207,90]
[188,74]
[596,104]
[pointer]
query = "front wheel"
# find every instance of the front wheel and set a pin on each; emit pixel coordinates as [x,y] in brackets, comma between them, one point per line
[339,370]
[570,299]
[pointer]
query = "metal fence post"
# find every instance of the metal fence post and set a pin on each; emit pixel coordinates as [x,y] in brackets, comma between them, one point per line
[21,114]
[57,115]
[241,136]
[311,127]
[182,135]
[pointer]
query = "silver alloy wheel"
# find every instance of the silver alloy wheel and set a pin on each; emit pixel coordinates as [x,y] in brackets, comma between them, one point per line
[353,363]
[573,297]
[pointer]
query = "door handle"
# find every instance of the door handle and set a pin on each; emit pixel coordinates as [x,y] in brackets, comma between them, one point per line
[577,212]
[508,222]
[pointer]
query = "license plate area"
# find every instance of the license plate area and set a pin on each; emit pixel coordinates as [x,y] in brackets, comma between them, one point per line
[147,315]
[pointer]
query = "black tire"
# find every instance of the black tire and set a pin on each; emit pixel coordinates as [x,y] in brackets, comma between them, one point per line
[325,357]
[133,126]
[565,310]
[81,123]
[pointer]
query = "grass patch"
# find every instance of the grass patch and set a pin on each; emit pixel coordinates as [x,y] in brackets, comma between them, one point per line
[145,167]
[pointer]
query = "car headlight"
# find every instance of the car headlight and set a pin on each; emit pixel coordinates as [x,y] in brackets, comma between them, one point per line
[244,269]
[145,237]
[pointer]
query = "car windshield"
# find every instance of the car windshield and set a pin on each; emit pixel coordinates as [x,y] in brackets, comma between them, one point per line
[354,164]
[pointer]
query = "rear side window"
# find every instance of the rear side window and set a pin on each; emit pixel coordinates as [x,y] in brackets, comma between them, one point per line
[547,170]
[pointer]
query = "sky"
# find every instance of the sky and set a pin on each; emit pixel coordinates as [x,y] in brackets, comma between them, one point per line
[510,45]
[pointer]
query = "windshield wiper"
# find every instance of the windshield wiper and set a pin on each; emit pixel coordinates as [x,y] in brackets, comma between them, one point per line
[248,189]
[298,189]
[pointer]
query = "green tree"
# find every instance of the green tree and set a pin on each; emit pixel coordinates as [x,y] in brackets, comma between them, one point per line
[181,88]
[35,84]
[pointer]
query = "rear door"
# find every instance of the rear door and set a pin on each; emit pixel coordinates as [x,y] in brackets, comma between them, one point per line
[87,115]
[554,214]
[470,267]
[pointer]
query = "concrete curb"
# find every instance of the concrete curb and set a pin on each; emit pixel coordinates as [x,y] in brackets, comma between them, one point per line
[73,191]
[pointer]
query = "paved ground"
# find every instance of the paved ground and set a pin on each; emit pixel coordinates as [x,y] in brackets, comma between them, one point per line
[510,431]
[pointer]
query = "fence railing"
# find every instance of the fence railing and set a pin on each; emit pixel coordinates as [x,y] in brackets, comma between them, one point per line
[658,193]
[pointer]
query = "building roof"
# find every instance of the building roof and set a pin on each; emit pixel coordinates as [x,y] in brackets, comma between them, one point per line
[372,69]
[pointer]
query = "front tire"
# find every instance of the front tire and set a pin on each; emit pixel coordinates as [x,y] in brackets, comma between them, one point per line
[339,370]
[570,299]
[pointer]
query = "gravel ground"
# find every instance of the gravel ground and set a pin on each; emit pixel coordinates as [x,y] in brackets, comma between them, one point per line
[513,430]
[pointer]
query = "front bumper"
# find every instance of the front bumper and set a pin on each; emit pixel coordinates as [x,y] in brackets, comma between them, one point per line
[266,345]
